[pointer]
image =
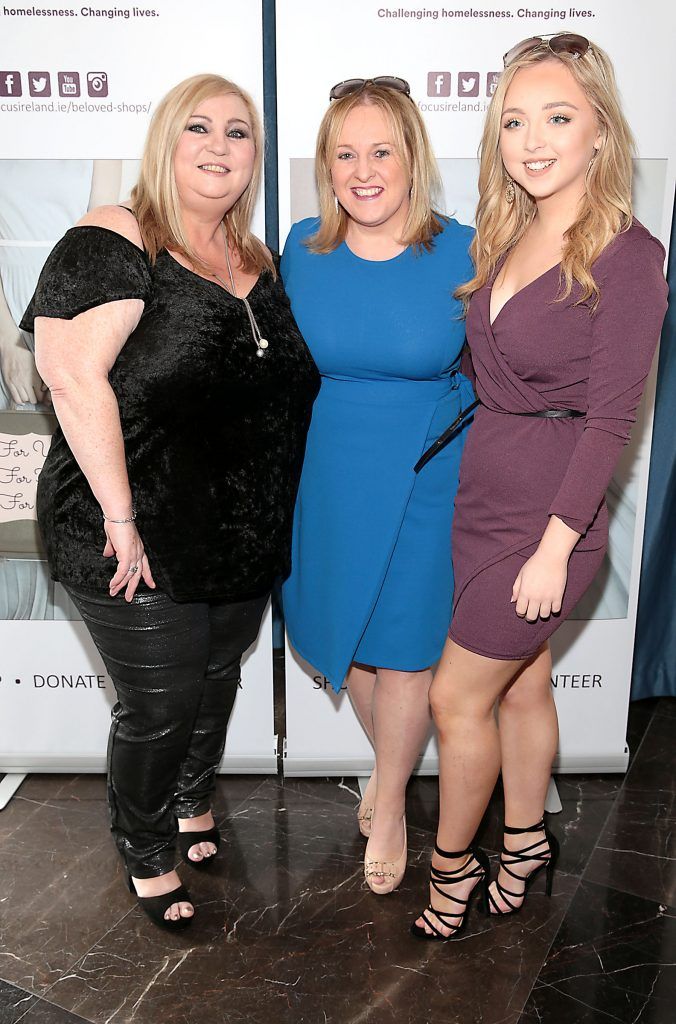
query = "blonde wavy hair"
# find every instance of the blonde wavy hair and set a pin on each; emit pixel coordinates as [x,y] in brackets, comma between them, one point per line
[155,198]
[606,208]
[413,149]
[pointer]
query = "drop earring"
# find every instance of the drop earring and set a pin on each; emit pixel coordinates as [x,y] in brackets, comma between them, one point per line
[510,191]
[336,203]
[590,165]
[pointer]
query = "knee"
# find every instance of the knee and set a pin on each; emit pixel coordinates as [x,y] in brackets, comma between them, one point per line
[450,707]
[228,673]
[162,711]
[405,683]
[525,693]
[147,724]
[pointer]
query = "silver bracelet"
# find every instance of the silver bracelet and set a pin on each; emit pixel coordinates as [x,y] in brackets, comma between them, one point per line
[120,521]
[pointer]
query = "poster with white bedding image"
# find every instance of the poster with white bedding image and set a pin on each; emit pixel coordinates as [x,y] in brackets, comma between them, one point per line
[39,201]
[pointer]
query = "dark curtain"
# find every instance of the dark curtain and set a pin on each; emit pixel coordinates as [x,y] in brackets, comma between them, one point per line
[654,672]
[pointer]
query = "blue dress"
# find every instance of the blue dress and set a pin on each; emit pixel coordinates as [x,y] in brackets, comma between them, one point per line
[371,578]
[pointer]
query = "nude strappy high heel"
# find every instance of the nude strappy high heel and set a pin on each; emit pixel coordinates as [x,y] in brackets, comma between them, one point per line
[365,819]
[365,812]
[391,870]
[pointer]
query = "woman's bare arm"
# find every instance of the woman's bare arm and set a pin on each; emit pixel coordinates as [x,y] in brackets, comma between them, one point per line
[74,358]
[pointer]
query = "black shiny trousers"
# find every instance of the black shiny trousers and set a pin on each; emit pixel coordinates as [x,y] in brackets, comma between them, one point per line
[176,670]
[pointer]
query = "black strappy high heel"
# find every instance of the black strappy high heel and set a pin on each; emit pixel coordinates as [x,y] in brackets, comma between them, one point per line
[156,906]
[547,858]
[188,839]
[476,866]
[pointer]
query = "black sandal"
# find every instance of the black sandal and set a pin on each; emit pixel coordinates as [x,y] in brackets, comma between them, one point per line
[547,858]
[188,839]
[480,870]
[156,906]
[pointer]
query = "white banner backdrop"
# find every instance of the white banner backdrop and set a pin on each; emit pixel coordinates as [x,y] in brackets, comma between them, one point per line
[75,103]
[56,697]
[451,58]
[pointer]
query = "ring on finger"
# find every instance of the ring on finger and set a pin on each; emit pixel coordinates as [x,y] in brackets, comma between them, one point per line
[132,569]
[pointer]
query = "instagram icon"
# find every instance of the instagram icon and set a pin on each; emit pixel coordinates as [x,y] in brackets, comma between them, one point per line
[97,83]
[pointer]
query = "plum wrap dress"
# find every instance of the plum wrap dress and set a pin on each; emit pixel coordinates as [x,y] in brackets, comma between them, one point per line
[371,578]
[517,470]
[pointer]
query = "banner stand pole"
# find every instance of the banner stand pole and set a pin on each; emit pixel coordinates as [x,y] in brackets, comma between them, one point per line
[8,787]
[553,803]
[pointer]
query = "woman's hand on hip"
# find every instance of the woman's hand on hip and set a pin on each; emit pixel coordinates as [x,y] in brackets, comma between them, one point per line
[539,588]
[123,541]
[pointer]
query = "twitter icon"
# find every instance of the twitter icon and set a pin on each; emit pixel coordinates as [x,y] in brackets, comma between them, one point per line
[39,83]
[468,83]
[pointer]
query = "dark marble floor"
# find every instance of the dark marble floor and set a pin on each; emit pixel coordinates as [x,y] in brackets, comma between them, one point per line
[287,932]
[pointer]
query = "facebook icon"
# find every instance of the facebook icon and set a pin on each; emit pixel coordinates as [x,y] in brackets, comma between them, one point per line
[10,83]
[439,83]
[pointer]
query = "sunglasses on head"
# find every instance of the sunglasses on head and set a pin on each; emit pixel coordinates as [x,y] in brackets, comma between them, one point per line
[562,42]
[352,85]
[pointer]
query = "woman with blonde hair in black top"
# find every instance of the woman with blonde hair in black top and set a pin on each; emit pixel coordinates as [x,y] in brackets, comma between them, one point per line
[183,391]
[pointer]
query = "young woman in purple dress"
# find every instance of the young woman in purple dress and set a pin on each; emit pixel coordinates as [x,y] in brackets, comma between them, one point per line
[563,318]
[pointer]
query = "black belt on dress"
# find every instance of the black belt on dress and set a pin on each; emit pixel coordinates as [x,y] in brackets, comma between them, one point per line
[443,439]
[552,414]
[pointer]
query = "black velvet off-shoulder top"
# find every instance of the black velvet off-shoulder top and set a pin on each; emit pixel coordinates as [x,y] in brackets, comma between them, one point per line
[214,435]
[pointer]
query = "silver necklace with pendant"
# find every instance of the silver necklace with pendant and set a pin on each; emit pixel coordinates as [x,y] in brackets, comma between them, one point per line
[260,341]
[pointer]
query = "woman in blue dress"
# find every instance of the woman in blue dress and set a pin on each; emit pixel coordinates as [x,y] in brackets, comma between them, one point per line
[371,285]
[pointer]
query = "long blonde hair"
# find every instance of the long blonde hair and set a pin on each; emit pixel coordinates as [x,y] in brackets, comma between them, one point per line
[413,150]
[606,207]
[155,198]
